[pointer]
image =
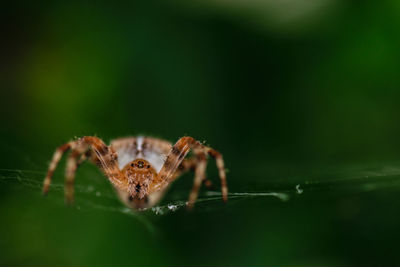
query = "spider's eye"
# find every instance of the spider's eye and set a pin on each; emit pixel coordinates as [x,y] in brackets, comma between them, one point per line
[132,165]
[140,164]
[148,166]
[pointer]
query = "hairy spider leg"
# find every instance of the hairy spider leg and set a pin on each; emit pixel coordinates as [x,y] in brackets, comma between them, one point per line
[198,163]
[105,158]
[53,165]
[176,156]
[199,176]
[219,160]
[78,155]
[70,169]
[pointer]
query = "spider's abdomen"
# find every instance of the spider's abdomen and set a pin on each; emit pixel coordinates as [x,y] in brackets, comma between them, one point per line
[150,149]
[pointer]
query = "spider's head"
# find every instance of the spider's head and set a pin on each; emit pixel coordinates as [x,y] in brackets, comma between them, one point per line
[139,174]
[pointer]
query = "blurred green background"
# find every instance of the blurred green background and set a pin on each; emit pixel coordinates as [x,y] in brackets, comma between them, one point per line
[294,93]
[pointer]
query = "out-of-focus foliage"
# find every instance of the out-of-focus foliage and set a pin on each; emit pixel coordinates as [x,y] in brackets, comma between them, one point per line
[291,92]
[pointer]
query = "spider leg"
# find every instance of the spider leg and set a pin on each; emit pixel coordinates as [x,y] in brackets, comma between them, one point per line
[87,146]
[70,170]
[198,164]
[53,165]
[83,153]
[199,177]
[221,171]
[106,159]
[176,156]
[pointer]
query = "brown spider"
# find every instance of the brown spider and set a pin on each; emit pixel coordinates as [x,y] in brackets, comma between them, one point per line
[139,168]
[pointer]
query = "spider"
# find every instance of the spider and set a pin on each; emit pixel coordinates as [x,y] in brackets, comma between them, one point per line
[140,168]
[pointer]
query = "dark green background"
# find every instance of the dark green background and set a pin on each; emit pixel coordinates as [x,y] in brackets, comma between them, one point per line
[291,92]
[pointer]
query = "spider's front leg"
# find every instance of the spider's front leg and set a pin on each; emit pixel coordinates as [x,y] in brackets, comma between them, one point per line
[176,156]
[86,146]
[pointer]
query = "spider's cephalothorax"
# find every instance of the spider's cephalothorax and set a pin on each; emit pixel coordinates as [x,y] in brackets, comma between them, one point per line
[139,174]
[140,168]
